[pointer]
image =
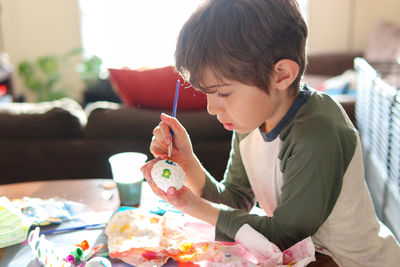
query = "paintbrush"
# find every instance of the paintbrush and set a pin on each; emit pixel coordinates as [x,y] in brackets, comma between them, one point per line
[174,115]
[76,228]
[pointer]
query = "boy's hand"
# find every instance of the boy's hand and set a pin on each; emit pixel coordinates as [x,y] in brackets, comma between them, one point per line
[181,199]
[182,152]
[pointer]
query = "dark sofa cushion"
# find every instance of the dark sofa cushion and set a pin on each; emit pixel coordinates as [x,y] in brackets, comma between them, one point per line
[113,121]
[62,118]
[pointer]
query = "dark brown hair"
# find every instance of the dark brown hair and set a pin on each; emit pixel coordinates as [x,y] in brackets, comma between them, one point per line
[241,40]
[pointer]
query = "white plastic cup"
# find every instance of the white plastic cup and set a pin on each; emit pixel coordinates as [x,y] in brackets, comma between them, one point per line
[126,173]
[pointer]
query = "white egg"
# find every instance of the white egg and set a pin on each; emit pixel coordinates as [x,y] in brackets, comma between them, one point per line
[166,173]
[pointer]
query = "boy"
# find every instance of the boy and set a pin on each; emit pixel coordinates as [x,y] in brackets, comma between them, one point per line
[294,150]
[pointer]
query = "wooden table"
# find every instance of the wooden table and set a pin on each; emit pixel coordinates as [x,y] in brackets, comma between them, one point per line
[87,191]
[90,192]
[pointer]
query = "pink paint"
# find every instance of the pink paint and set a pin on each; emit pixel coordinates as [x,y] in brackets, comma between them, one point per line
[149,255]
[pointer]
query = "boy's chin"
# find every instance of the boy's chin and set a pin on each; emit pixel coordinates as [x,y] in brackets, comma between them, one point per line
[243,131]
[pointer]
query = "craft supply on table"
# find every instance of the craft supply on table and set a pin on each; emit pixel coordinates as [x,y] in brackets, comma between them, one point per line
[126,173]
[49,254]
[44,212]
[94,251]
[162,207]
[98,262]
[19,216]
[14,225]
[76,228]
[143,239]
[166,173]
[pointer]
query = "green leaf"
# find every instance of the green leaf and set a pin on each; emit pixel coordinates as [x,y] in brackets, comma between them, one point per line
[26,69]
[48,64]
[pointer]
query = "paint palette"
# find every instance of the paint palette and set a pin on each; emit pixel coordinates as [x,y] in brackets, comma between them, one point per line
[166,173]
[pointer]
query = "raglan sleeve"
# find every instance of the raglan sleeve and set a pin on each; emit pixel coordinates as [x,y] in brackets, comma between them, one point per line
[234,190]
[313,167]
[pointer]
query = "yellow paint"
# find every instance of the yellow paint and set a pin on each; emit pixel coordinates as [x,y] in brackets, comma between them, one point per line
[124,227]
[185,246]
[187,258]
[154,220]
[166,173]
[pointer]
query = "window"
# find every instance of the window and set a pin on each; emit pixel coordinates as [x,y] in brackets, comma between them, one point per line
[303,4]
[135,33]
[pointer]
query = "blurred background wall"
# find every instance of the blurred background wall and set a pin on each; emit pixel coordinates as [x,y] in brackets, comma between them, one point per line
[342,25]
[33,28]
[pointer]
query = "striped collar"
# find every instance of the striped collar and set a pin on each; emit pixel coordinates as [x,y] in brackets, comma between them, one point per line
[304,94]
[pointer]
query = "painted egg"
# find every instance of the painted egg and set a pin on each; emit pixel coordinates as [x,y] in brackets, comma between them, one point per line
[166,173]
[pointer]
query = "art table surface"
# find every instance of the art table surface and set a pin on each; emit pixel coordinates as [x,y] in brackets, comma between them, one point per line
[87,191]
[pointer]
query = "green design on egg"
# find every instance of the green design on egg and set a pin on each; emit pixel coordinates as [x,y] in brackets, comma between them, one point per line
[166,173]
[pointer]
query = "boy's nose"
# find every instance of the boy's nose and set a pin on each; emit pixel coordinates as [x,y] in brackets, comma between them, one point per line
[211,105]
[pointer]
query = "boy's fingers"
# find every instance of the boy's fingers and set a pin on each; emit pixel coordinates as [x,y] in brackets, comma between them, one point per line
[173,123]
[159,145]
[172,192]
[146,168]
[165,133]
[143,169]
[176,197]
[158,191]
[158,150]
[158,135]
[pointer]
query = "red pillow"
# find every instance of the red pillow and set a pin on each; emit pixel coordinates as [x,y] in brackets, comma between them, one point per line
[155,88]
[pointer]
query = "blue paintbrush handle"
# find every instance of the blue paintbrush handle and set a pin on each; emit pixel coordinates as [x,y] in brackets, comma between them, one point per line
[82,227]
[174,115]
[176,98]
[175,103]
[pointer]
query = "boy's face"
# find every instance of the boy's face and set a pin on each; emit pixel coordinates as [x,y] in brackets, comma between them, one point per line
[242,107]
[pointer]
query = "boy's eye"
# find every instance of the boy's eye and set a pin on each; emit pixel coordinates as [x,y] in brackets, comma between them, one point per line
[223,95]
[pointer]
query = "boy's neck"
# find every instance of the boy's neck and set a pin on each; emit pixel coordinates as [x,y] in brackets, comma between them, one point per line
[283,108]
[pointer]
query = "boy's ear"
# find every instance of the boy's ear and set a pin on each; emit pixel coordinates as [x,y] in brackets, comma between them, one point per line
[285,71]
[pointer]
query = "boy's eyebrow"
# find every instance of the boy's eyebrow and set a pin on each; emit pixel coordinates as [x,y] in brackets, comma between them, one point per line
[216,85]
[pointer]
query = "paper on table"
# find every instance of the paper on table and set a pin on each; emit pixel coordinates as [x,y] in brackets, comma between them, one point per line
[14,225]
[141,238]
[268,254]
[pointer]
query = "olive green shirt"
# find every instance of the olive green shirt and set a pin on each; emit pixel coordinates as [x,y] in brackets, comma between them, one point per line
[296,173]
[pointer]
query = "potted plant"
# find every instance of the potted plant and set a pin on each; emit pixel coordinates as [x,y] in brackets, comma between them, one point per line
[43,76]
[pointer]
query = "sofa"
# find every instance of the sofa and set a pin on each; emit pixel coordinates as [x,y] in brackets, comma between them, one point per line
[61,140]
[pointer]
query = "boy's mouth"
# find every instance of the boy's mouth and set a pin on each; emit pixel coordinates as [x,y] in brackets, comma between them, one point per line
[228,126]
